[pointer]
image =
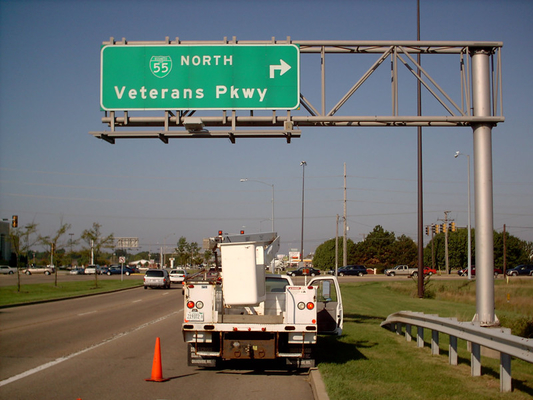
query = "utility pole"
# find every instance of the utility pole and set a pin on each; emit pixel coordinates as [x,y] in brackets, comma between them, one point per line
[433,246]
[344,243]
[445,228]
[504,251]
[337,247]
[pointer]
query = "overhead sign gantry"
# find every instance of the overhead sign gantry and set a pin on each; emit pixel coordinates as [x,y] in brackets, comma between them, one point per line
[234,78]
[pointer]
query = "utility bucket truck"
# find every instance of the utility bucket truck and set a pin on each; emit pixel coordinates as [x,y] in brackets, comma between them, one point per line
[240,312]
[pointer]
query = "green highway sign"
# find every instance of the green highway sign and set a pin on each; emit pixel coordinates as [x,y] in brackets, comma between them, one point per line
[200,77]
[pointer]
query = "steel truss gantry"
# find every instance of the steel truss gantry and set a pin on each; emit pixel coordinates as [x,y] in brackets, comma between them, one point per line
[287,124]
[480,108]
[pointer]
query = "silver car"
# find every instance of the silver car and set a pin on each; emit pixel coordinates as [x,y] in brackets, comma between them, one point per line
[6,269]
[156,278]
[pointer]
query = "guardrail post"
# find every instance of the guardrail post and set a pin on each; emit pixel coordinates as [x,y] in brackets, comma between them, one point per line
[452,350]
[435,343]
[398,328]
[420,336]
[408,335]
[506,384]
[475,360]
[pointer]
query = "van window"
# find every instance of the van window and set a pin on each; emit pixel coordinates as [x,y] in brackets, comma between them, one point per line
[155,274]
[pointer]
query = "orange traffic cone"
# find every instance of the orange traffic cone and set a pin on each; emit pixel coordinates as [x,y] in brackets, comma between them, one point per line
[157,369]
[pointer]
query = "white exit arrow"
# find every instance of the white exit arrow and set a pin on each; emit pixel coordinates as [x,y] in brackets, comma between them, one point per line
[282,67]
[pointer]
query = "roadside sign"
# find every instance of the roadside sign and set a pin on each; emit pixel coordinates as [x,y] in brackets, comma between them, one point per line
[200,77]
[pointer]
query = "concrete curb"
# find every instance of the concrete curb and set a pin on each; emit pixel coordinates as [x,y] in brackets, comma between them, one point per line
[317,384]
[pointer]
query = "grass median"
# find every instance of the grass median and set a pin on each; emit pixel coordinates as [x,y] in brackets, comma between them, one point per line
[370,362]
[9,295]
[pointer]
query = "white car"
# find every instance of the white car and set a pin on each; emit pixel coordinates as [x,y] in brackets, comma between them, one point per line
[92,269]
[177,275]
[6,269]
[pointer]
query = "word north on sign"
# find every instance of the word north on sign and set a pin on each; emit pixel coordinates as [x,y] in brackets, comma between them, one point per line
[200,77]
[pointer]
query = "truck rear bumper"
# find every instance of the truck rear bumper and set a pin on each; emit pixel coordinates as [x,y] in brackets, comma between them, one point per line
[207,347]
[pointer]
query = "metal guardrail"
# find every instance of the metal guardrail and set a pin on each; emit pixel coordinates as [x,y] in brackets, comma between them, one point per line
[497,339]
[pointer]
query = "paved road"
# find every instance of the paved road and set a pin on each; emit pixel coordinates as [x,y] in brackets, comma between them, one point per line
[102,347]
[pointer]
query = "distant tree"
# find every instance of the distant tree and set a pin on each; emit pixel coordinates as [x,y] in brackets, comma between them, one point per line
[195,254]
[517,250]
[377,248]
[324,258]
[207,256]
[183,251]
[94,240]
[54,243]
[404,251]
[22,239]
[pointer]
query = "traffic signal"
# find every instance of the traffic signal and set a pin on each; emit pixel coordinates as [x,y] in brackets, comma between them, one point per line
[15,221]
[433,229]
[427,230]
[452,226]
[444,227]
[437,229]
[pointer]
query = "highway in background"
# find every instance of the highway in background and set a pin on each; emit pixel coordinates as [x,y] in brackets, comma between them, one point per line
[102,347]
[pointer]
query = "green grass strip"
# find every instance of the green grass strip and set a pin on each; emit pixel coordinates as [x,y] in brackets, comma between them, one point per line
[370,362]
[9,295]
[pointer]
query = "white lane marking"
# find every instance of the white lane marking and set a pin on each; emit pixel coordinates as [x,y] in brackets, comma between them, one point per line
[136,301]
[94,346]
[87,313]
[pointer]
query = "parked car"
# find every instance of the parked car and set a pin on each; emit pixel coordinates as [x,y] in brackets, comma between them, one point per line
[77,271]
[523,269]
[358,270]
[117,270]
[38,269]
[177,275]
[464,271]
[6,269]
[405,270]
[156,278]
[92,269]
[304,271]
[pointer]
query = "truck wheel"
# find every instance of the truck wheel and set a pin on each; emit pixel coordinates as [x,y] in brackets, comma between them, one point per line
[341,273]
[47,273]
[392,274]
[360,274]
[415,274]
[28,273]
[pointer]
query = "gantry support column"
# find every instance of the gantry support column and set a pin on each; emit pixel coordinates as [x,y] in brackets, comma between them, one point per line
[481,100]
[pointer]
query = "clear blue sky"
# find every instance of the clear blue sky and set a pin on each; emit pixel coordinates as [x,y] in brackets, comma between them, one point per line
[52,170]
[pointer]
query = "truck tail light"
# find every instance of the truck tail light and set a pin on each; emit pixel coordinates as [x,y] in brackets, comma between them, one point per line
[190,304]
[310,305]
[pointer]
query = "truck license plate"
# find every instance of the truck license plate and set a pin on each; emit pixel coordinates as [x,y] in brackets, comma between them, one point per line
[195,316]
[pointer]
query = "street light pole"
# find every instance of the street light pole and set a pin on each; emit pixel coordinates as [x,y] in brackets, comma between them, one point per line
[303,165]
[268,184]
[457,154]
